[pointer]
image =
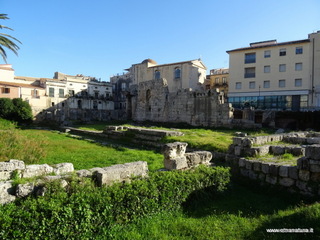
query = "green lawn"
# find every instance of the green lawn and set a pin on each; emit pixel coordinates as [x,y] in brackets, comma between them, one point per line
[61,148]
[242,212]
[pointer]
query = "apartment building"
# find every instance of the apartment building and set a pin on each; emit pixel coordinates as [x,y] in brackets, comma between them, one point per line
[272,75]
[218,79]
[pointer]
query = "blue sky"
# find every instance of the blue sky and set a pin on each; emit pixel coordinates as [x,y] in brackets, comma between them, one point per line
[102,37]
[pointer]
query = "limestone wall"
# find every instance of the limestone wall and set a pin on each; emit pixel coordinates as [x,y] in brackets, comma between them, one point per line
[40,174]
[152,101]
[304,177]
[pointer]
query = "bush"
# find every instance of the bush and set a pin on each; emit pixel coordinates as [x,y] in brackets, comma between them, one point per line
[15,110]
[6,108]
[22,112]
[87,212]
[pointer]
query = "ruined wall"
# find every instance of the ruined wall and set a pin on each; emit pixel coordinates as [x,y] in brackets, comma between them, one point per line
[152,101]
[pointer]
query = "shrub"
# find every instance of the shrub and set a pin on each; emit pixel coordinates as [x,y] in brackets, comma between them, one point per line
[87,212]
[16,110]
[22,112]
[6,108]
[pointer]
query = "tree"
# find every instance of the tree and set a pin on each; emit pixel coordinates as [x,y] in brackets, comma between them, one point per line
[6,108]
[22,112]
[7,41]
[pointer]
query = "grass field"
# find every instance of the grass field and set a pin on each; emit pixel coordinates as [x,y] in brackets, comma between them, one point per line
[242,212]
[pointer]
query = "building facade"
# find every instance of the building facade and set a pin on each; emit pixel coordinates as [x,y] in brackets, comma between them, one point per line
[219,79]
[272,75]
[72,97]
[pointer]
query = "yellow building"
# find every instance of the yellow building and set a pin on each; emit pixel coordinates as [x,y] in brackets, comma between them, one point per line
[179,75]
[219,79]
[272,75]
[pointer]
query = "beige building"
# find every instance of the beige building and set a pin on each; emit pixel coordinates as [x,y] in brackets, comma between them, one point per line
[218,79]
[272,75]
[179,75]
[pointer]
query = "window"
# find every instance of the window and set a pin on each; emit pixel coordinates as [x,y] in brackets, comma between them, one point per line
[71,93]
[298,67]
[156,74]
[282,52]
[51,92]
[238,85]
[95,105]
[282,83]
[34,93]
[252,85]
[123,86]
[96,94]
[250,72]
[298,82]
[299,50]
[5,90]
[266,84]
[266,69]
[61,93]
[282,68]
[216,81]
[267,54]
[224,80]
[177,73]
[250,58]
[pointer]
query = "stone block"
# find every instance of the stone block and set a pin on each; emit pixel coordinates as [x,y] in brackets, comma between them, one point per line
[264,150]
[298,151]
[237,141]
[231,149]
[63,168]
[198,157]
[238,150]
[176,163]
[265,168]
[252,175]
[313,152]
[313,140]
[84,173]
[6,192]
[314,168]
[271,179]
[262,177]
[247,142]
[286,182]
[293,172]
[304,175]
[5,175]
[301,185]
[249,164]
[315,177]
[303,163]
[121,172]
[284,171]
[277,150]
[242,162]
[24,190]
[257,166]
[12,165]
[174,150]
[274,169]
[244,172]
[36,170]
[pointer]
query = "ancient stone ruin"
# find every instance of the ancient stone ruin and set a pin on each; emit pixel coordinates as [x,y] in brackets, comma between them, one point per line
[302,177]
[152,101]
[176,158]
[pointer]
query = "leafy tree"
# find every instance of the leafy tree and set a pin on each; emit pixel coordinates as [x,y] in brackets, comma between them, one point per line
[7,41]
[22,112]
[6,108]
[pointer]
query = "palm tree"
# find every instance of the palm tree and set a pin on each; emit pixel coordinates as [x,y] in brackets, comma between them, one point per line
[7,41]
